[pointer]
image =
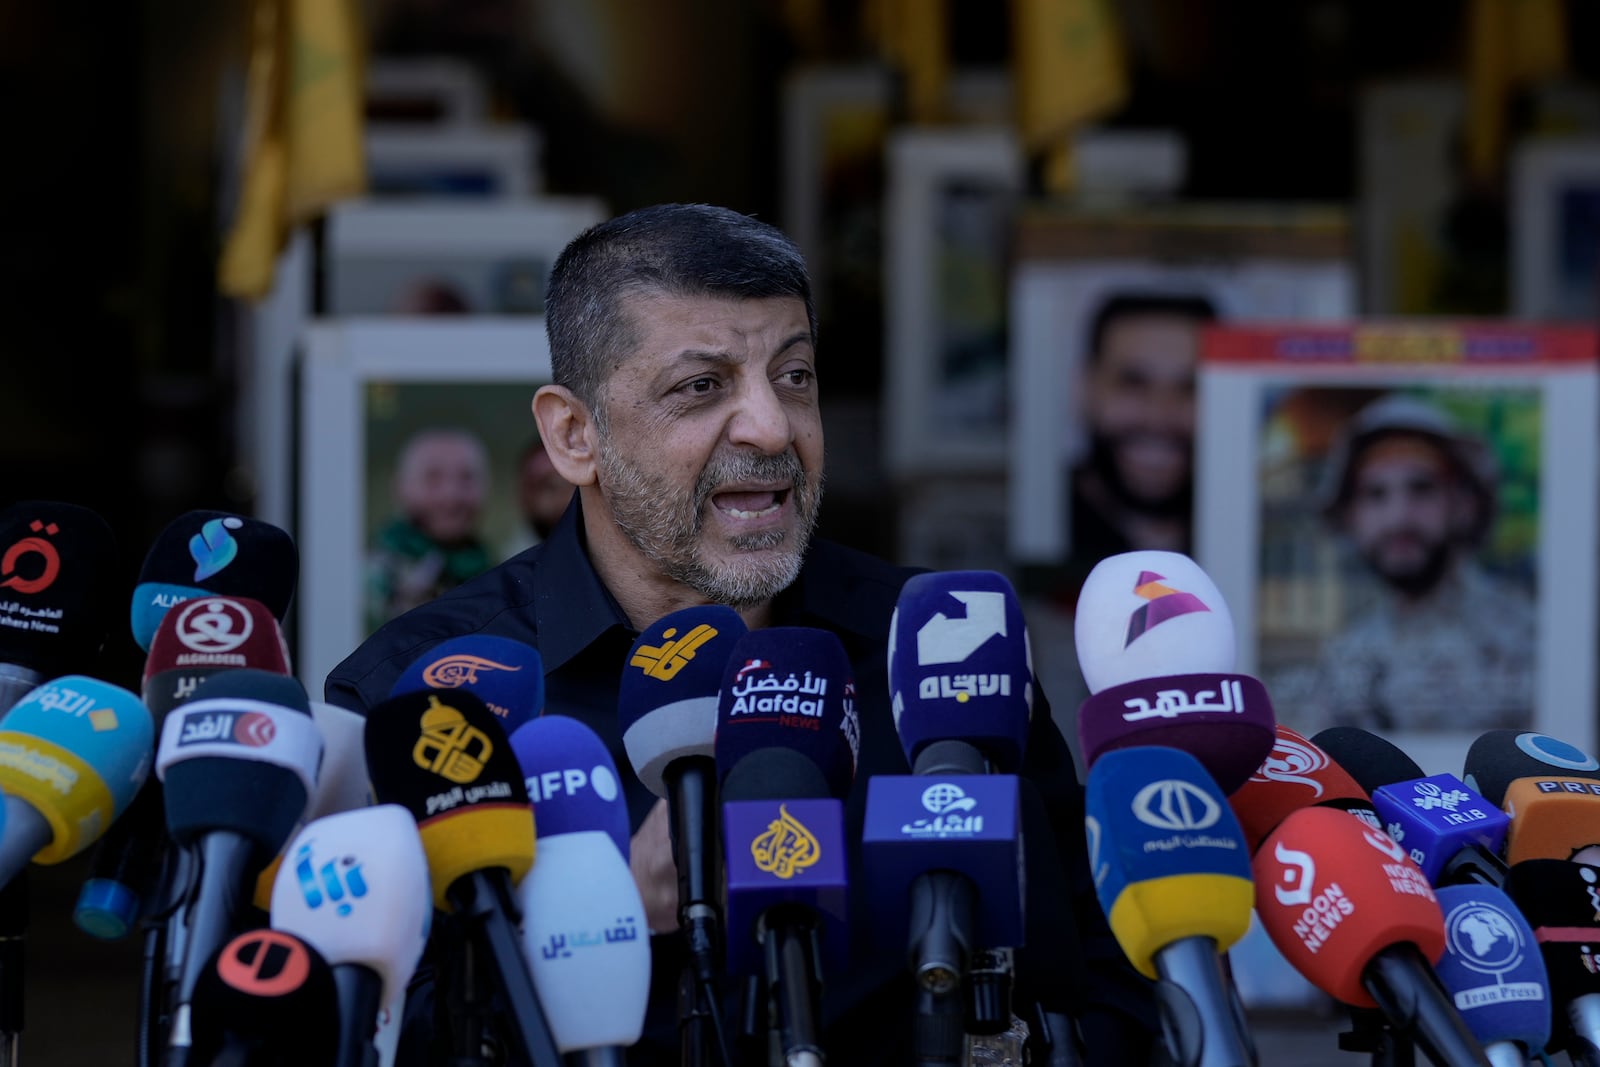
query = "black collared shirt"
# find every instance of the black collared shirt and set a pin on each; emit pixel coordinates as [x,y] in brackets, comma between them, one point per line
[551,598]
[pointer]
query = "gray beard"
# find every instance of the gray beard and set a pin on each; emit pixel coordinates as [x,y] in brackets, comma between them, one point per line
[664,523]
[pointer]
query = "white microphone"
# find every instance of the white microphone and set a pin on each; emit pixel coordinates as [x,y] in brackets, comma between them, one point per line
[343,783]
[355,886]
[584,933]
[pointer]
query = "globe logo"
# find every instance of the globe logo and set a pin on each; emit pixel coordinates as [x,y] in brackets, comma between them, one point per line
[1484,938]
[945,797]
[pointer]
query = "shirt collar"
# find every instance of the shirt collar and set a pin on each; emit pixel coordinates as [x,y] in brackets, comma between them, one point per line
[573,608]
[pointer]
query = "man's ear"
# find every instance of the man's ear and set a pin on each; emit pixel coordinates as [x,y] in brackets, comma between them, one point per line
[568,432]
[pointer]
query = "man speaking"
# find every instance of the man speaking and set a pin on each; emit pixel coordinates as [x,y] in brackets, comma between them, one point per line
[685,409]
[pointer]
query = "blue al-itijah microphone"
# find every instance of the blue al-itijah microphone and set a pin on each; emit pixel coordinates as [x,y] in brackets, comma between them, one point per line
[1448,830]
[786,744]
[238,764]
[583,923]
[57,573]
[948,837]
[209,553]
[1172,871]
[506,675]
[667,707]
[1493,971]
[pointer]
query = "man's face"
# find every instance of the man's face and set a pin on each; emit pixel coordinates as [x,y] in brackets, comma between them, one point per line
[711,457]
[1140,407]
[1404,510]
[442,486]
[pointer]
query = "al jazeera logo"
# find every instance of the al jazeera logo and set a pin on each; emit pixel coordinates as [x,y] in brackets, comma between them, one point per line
[453,672]
[787,847]
[662,662]
[450,746]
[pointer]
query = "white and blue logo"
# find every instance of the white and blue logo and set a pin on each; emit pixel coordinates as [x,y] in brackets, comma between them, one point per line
[338,883]
[1547,749]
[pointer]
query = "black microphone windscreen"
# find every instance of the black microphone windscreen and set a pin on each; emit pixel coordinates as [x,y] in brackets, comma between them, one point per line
[1500,757]
[204,553]
[269,991]
[58,566]
[775,774]
[1372,761]
[248,713]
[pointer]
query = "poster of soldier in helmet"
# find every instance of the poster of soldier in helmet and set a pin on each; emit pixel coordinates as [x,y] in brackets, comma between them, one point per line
[1401,517]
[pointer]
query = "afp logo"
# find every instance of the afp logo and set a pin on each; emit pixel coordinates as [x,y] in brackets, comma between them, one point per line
[570,782]
[1175,805]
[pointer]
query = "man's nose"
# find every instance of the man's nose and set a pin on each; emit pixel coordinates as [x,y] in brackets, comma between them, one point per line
[760,420]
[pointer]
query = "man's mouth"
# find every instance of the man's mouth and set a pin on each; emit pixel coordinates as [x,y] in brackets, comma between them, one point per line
[749,503]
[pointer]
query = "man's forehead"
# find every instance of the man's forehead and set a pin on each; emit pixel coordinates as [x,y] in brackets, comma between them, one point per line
[1397,451]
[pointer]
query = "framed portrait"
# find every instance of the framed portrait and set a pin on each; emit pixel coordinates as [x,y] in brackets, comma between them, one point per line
[1555,226]
[1388,509]
[489,160]
[1080,275]
[952,203]
[369,390]
[449,257]
[425,89]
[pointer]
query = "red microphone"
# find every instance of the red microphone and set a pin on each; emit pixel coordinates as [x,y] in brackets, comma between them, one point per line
[1352,913]
[1296,774]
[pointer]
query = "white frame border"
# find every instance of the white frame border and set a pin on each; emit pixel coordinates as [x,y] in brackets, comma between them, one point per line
[1539,169]
[339,359]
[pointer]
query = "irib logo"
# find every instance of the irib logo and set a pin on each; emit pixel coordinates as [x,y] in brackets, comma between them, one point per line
[1176,805]
[1430,796]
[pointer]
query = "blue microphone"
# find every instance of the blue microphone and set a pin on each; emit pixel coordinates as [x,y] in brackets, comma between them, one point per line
[1436,819]
[960,667]
[1172,871]
[1494,972]
[785,750]
[571,780]
[507,675]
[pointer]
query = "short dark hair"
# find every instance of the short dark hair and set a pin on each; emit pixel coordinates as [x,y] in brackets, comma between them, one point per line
[672,249]
[1131,305]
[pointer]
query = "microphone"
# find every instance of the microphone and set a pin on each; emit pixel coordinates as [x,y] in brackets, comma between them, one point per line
[961,683]
[506,675]
[1350,912]
[1449,831]
[589,950]
[342,785]
[355,885]
[1494,973]
[1156,644]
[1296,774]
[73,753]
[205,636]
[960,666]
[266,998]
[1500,757]
[212,552]
[1173,877]
[58,565]
[1561,901]
[667,707]
[785,751]
[443,756]
[238,764]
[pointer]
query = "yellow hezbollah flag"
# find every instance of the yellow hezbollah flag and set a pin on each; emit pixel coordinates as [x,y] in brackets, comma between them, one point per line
[916,40]
[1510,43]
[303,135]
[1069,68]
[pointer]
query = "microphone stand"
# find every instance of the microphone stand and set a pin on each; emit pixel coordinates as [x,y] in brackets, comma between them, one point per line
[694,850]
[13,924]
